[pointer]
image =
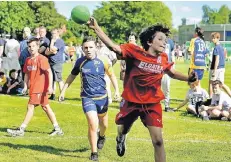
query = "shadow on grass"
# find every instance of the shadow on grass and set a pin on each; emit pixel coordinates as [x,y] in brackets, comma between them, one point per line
[46,149]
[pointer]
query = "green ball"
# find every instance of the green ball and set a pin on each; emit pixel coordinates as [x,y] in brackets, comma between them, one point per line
[80,14]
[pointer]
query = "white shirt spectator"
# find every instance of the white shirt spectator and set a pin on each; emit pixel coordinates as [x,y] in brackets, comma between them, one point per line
[196,96]
[110,54]
[221,99]
[12,52]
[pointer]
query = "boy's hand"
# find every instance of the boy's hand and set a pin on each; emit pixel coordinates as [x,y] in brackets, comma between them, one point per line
[61,97]
[50,90]
[192,77]
[24,90]
[117,97]
[92,23]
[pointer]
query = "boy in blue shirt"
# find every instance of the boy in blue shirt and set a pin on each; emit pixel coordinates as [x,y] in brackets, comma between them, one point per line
[217,69]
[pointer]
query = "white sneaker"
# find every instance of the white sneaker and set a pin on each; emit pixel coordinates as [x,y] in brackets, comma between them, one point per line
[15,132]
[58,132]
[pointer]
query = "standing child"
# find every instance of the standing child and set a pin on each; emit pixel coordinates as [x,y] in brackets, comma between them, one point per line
[217,69]
[38,79]
[92,69]
[198,51]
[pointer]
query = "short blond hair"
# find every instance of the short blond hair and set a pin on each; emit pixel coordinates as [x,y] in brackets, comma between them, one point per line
[216,35]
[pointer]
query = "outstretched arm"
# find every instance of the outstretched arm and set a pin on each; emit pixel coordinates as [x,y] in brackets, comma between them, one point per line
[92,23]
[179,76]
[182,104]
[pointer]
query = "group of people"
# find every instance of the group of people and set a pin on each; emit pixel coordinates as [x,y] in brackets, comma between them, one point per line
[147,68]
[217,103]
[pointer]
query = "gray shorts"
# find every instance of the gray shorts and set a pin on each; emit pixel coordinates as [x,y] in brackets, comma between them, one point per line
[57,70]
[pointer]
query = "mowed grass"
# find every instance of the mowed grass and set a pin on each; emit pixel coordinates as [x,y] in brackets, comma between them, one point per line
[186,138]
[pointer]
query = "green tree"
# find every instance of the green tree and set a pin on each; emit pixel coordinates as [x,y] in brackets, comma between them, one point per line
[223,17]
[46,14]
[15,15]
[121,17]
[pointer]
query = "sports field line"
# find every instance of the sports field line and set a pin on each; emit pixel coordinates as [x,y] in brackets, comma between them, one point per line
[113,139]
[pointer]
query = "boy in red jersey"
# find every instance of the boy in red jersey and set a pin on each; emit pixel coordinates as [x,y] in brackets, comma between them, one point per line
[142,84]
[38,79]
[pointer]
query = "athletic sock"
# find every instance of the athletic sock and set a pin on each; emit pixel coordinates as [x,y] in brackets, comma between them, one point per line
[23,126]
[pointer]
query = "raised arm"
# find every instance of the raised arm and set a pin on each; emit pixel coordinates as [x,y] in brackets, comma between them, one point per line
[92,23]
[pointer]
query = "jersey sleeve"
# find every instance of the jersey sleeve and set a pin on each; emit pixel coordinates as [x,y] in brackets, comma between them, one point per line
[44,64]
[107,66]
[215,51]
[76,69]
[191,46]
[130,50]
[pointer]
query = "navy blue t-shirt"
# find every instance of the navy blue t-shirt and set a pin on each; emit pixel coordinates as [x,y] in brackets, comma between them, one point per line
[58,57]
[92,75]
[44,42]
[218,51]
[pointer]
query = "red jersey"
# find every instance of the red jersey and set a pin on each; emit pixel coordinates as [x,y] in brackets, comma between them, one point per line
[36,68]
[142,82]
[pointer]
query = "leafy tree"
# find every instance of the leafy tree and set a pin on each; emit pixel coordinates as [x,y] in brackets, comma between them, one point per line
[223,17]
[212,16]
[15,15]
[118,18]
[46,14]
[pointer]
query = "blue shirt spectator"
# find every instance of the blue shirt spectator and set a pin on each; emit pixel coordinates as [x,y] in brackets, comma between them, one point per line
[218,51]
[58,57]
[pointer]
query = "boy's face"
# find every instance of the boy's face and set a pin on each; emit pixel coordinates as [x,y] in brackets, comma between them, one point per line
[193,86]
[216,89]
[159,43]
[33,48]
[215,40]
[42,32]
[89,48]
[132,39]
[14,75]
[55,34]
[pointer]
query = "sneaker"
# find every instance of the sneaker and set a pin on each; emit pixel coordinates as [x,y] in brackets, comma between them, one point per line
[168,109]
[101,141]
[15,132]
[94,156]
[120,147]
[205,118]
[56,131]
[52,97]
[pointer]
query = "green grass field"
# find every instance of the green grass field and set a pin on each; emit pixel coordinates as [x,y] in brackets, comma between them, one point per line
[186,138]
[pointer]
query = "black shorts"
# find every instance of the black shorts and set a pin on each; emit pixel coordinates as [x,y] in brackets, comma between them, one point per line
[57,70]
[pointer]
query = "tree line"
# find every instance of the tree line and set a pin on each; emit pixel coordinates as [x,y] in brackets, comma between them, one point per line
[118,19]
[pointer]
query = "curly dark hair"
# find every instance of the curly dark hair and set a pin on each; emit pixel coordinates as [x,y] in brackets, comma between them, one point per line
[148,34]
